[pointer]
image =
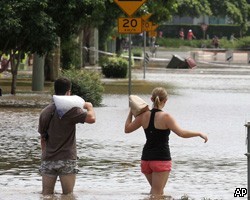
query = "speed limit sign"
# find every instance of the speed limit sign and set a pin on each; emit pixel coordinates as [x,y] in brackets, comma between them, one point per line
[129,25]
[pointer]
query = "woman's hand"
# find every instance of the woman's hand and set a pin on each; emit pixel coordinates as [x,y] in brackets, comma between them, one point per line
[204,136]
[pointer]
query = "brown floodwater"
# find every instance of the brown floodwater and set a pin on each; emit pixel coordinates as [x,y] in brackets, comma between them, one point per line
[109,160]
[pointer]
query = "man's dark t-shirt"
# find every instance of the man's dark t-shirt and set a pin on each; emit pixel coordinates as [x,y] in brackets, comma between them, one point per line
[61,142]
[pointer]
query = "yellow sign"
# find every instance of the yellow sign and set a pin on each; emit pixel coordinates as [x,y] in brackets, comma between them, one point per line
[129,25]
[129,6]
[154,26]
[146,26]
[152,34]
[145,17]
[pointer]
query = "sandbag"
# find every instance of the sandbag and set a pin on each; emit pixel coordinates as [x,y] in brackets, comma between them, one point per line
[64,103]
[137,105]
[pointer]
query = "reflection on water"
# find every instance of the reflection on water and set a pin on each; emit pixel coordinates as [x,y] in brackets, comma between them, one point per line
[18,155]
[59,197]
[109,160]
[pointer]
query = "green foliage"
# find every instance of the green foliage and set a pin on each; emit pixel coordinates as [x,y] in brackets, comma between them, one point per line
[70,16]
[25,26]
[114,67]
[108,22]
[193,8]
[70,54]
[33,26]
[237,11]
[137,52]
[162,10]
[243,43]
[177,43]
[86,84]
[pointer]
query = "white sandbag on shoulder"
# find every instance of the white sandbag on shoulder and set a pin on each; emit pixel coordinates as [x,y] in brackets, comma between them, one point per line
[64,103]
[137,105]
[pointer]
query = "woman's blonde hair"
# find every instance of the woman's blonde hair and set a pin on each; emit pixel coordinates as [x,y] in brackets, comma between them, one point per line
[159,94]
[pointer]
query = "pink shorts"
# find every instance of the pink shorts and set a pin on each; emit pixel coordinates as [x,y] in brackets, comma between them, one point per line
[147,167]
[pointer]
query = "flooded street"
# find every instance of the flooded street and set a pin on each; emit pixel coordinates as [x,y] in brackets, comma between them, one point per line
[109,160]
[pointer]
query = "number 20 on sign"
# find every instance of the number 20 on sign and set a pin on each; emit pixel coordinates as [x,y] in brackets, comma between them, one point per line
[129,25]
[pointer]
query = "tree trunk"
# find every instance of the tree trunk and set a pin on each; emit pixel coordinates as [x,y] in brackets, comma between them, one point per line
[52,63]
[38,73]
[14,60]
[93,41]
[81,49]
[13,84]
[85,44]
[55,61]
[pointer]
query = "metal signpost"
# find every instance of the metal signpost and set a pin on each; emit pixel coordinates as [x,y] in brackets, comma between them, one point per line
[129,25]
[248,158]
[146,26]
[144,51]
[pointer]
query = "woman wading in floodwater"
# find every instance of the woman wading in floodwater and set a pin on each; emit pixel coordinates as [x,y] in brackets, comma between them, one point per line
[156,159]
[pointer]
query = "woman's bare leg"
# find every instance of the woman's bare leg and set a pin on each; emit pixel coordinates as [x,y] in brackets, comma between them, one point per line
[149,178]
[159,180]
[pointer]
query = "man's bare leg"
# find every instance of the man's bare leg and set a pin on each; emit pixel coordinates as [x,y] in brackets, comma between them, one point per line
[68,183]
[48,184]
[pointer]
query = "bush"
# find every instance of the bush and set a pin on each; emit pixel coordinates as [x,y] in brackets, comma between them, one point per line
[220,30]
[240,43]
[137,52]
[243,43]
[114,67]
[177,43]
[86,84]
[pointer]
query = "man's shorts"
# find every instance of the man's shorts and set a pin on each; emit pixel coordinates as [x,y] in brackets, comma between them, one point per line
[148,167]
[57,168]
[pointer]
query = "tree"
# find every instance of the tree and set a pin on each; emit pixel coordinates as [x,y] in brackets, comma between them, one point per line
[25,27]
[109,21]
[237,11]
[162,10]
[31,26]
[71,19]
[193,8]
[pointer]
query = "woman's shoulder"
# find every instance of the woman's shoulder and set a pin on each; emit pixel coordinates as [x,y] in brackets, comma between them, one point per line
[165,115]
[144,114]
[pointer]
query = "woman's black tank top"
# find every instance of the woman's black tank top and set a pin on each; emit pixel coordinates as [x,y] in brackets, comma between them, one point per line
[156,147]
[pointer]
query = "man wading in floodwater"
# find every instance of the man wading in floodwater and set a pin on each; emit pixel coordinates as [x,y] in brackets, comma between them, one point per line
[58,139]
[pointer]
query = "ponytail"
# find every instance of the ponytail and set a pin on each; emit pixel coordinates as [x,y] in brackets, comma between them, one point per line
[157,102]
[158,95]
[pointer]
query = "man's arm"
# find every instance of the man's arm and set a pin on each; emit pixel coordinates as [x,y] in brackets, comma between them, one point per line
[43,143]
[90,118]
